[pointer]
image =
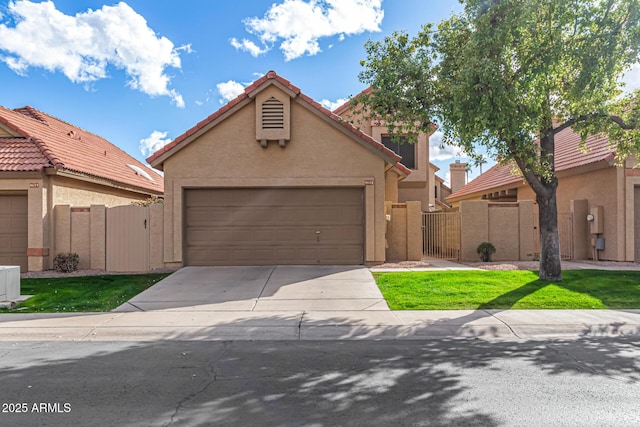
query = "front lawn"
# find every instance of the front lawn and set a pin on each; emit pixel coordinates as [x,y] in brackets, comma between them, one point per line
[90,293]
[518,289]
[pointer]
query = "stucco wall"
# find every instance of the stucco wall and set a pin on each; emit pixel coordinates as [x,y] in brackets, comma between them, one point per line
[418,186]
[599,188]
[4,132]
[318,154]
[508,226]
[68,191]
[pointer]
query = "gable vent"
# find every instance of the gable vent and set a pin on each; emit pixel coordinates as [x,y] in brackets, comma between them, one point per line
[272,114]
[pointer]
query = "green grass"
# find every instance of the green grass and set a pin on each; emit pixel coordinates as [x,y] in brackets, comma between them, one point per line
[73,294]
[519,289]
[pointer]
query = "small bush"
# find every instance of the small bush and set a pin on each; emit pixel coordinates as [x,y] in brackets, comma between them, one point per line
[152,200]
[485,250]
[66,262]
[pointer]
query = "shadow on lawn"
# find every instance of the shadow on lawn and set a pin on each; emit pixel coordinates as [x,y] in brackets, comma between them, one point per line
[624,293]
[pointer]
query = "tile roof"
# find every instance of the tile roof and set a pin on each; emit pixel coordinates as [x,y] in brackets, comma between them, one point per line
[21,154]
[568,155]
[64,146]
[248,92]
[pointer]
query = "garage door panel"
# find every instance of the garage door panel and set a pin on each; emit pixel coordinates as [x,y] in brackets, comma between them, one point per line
[274,226]
[13,230]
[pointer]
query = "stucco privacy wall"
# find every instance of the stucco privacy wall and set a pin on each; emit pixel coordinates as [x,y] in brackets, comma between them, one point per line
[317,155]
[602,187]
[44,193]
[508,226]
[85,232]
[404,231]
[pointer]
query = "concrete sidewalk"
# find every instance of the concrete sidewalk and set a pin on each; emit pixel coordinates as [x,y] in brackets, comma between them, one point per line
[319,325]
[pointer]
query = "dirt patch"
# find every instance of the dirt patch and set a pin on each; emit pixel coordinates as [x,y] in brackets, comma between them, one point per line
[404,264]
[566,265]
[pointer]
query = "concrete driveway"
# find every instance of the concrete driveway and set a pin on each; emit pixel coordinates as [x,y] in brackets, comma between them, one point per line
[262,288]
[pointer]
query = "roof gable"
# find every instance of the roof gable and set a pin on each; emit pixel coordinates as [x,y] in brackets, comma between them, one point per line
[269,79]
[67,147]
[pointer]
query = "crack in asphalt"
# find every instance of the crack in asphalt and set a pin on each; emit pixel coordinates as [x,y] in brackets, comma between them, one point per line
[300,325]
[212,372]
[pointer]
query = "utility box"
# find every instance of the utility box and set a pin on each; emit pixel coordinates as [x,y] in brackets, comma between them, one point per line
[596,226]
[600,244]
[9,283]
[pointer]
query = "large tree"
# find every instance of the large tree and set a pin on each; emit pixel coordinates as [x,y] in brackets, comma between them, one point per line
[509,75]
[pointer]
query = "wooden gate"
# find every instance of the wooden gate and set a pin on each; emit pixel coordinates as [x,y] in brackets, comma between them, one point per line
[441,235]
[127,238]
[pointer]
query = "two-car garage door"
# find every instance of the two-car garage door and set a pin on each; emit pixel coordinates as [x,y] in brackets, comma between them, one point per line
[263,226]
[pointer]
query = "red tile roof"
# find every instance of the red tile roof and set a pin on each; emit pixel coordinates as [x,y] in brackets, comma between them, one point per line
[64,146]
[568,155]
[248,92]
[21,154]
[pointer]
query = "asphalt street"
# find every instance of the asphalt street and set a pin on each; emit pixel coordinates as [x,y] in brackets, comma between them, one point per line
[588,381]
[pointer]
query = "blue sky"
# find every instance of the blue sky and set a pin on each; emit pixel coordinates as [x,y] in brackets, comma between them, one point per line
[142,72]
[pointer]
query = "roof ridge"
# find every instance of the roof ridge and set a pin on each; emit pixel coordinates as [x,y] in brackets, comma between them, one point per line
[32,113]
[45,115]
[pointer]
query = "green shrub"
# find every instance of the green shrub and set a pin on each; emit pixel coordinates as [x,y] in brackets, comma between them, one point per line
[66,262]
[485,250]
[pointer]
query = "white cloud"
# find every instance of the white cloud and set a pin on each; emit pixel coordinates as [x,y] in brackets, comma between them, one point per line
[153,142]
[332,105]
[299,24]
[248,46]
[229,90]
[84,45]
[631,78]
[436,152]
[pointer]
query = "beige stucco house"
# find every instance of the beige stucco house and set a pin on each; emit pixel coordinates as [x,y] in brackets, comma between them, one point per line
[589,184]
[420,184]
[46,163]
[275,178]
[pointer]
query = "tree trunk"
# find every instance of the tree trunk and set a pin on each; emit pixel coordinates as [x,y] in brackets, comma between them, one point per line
[550,268]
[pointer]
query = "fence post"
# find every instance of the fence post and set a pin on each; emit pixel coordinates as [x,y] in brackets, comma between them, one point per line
[525,219]
[98,237]
[414,231]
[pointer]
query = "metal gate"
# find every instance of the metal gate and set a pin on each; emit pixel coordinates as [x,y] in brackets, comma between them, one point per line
[441,235]
[565,231]
[127,238]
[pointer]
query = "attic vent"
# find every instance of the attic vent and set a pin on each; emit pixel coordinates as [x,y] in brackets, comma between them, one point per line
[272,114]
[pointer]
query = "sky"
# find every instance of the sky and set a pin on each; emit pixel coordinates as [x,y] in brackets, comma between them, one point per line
[141,72]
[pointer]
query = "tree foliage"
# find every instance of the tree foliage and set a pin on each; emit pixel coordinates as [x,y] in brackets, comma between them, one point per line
[509,75]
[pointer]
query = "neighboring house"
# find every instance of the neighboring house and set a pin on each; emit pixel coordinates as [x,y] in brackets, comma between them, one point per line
[587,180]
[440,190]
[46,162]
[275,178]
[416,187]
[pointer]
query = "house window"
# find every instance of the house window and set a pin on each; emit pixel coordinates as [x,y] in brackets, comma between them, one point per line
[436,191]
[401,146]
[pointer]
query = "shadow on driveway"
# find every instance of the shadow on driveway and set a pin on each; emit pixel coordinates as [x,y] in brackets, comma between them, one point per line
[262,288]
